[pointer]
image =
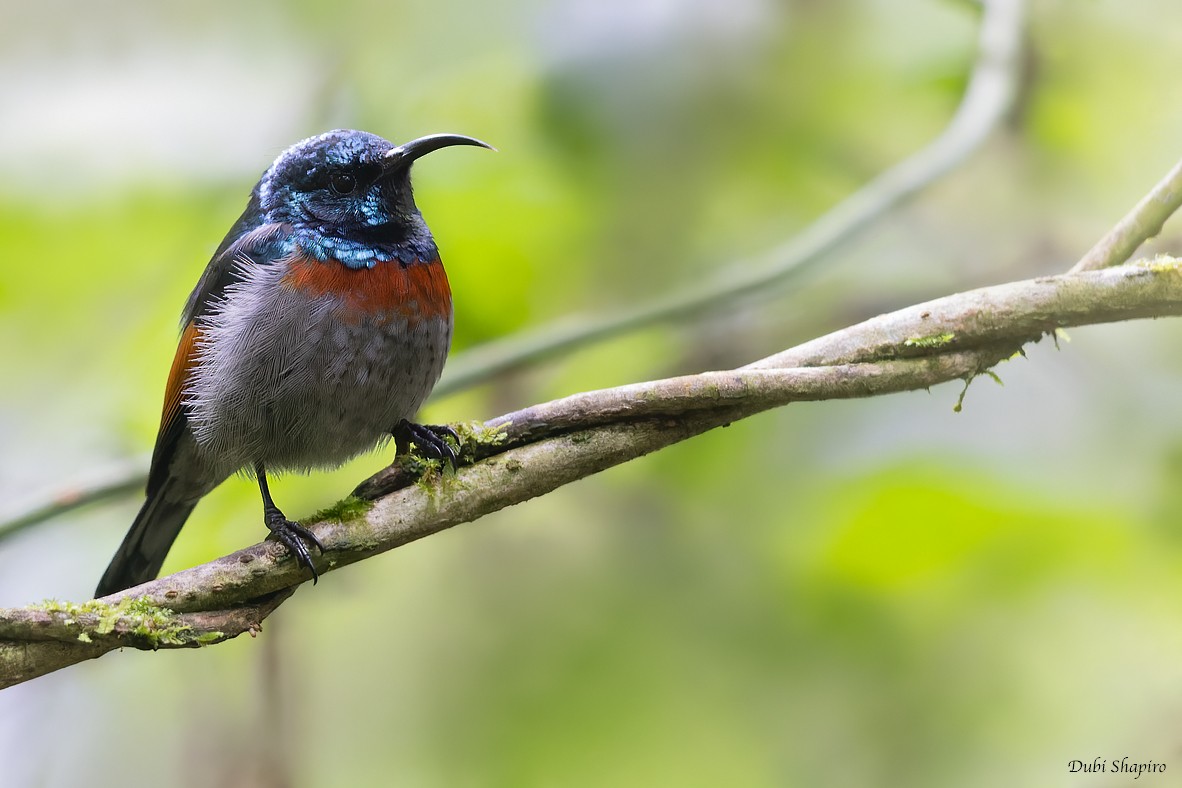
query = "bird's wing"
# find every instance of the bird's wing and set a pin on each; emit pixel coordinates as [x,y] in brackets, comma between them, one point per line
[254,246]
[259,246]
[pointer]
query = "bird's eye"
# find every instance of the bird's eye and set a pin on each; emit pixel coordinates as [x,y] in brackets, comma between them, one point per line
[342,183]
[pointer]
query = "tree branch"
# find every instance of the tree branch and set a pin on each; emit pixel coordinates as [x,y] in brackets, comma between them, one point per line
[1143,222]
[531,452]
[989,96]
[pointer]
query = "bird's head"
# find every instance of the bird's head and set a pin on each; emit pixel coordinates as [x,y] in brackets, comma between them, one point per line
[350,187]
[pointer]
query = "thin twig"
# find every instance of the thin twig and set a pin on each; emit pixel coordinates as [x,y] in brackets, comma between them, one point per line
[116,481]
[988,98]
[1143,222]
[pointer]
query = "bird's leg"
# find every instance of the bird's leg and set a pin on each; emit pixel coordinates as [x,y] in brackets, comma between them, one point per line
[430,438]
[293,535]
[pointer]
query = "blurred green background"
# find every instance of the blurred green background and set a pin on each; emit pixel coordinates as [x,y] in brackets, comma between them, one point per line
[872,593]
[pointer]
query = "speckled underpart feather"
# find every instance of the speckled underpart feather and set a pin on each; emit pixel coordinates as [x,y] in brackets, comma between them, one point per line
[299,379]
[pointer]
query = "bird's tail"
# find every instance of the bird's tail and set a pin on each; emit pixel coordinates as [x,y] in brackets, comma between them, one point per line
[139,558]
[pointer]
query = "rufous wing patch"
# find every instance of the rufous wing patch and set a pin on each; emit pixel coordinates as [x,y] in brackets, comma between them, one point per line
[182,364]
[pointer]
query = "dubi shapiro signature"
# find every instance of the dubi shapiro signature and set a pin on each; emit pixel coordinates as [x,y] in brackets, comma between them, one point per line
[1123,766]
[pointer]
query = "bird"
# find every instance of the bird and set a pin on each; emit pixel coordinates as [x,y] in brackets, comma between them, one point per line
[315,333]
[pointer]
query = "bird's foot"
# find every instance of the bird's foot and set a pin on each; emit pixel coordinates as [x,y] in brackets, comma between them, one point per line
[430,438]
[295,537]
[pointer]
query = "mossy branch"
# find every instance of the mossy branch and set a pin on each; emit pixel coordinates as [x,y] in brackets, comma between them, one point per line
[531,452]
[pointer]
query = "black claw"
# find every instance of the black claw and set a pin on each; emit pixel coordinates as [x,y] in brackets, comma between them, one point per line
[443,429]
[430,438]
[295,537]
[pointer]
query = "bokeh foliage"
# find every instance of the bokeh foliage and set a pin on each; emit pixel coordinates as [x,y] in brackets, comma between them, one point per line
[838,594]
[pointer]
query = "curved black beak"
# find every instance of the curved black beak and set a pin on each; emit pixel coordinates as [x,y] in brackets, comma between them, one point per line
[403,155]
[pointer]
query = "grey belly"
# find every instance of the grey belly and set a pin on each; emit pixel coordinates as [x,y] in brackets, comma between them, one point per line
[296,383]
